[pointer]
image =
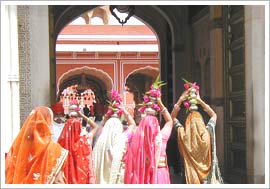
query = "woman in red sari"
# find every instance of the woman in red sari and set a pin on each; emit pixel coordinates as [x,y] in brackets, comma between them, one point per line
[79,168]
[33,157]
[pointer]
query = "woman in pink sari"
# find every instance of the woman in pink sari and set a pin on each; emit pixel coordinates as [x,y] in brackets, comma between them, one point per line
[146,160]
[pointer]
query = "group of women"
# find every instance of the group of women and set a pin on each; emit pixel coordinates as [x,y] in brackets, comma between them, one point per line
[124,153]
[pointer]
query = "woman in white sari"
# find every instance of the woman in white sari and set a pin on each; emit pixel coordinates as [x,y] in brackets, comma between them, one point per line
[111,144]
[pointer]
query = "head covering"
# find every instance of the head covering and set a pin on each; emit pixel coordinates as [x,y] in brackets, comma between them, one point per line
[33,157]
[141,161]
[141,158]
[108,151]
[58,108]
[195,146]
[78,169]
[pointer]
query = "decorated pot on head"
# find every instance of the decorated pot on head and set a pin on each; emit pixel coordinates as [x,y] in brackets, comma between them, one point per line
[150,110]
[74,108]
[191,103]
[114,109]
[192,100]
[150,105]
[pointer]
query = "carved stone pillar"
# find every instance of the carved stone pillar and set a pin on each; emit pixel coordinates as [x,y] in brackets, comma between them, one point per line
[33,36]
[24,62]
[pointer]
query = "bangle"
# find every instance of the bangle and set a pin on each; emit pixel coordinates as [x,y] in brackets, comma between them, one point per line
[177,107]
[163,110]
[177,124]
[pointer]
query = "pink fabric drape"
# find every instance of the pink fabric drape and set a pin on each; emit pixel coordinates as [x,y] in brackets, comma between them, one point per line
[141,162]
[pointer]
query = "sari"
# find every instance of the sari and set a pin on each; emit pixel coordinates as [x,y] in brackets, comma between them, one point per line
[143,153]
[163,176]
[194,143]
[108,152]
[214,176]
[33,157]
[79,168]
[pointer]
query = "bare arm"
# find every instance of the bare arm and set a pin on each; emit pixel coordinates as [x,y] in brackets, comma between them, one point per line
[90,122]
[177,105]
[164,111]
[130,120]
[206,107]
[129,117]
[106,117]
[85,118]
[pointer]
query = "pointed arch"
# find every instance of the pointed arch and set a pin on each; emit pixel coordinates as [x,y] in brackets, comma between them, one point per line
[98,80]
[139,81]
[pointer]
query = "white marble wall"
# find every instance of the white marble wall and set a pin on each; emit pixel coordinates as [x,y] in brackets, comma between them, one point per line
[10,124]
[255,92]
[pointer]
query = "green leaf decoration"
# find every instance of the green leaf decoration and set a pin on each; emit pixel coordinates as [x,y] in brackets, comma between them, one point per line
[141,104]
[186,81]
[157,84]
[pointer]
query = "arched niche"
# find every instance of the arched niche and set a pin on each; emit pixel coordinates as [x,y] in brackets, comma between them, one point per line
[97,80]
[140,80]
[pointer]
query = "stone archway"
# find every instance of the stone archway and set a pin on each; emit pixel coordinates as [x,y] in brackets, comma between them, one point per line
[151,15]
[163,23]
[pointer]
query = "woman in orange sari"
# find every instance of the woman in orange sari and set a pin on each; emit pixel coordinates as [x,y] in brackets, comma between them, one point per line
[196,141]
[33,157]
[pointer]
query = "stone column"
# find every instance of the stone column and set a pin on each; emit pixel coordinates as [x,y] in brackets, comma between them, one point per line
[9,76]
[255,92]
[216,67]
[33,32]
[181,52]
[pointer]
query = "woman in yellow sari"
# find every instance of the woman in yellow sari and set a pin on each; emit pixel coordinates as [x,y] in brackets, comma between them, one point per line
[196,142]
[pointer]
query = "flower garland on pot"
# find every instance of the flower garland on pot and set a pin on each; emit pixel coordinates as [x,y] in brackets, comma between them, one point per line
[150,105]
[114,108]
[191,101]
